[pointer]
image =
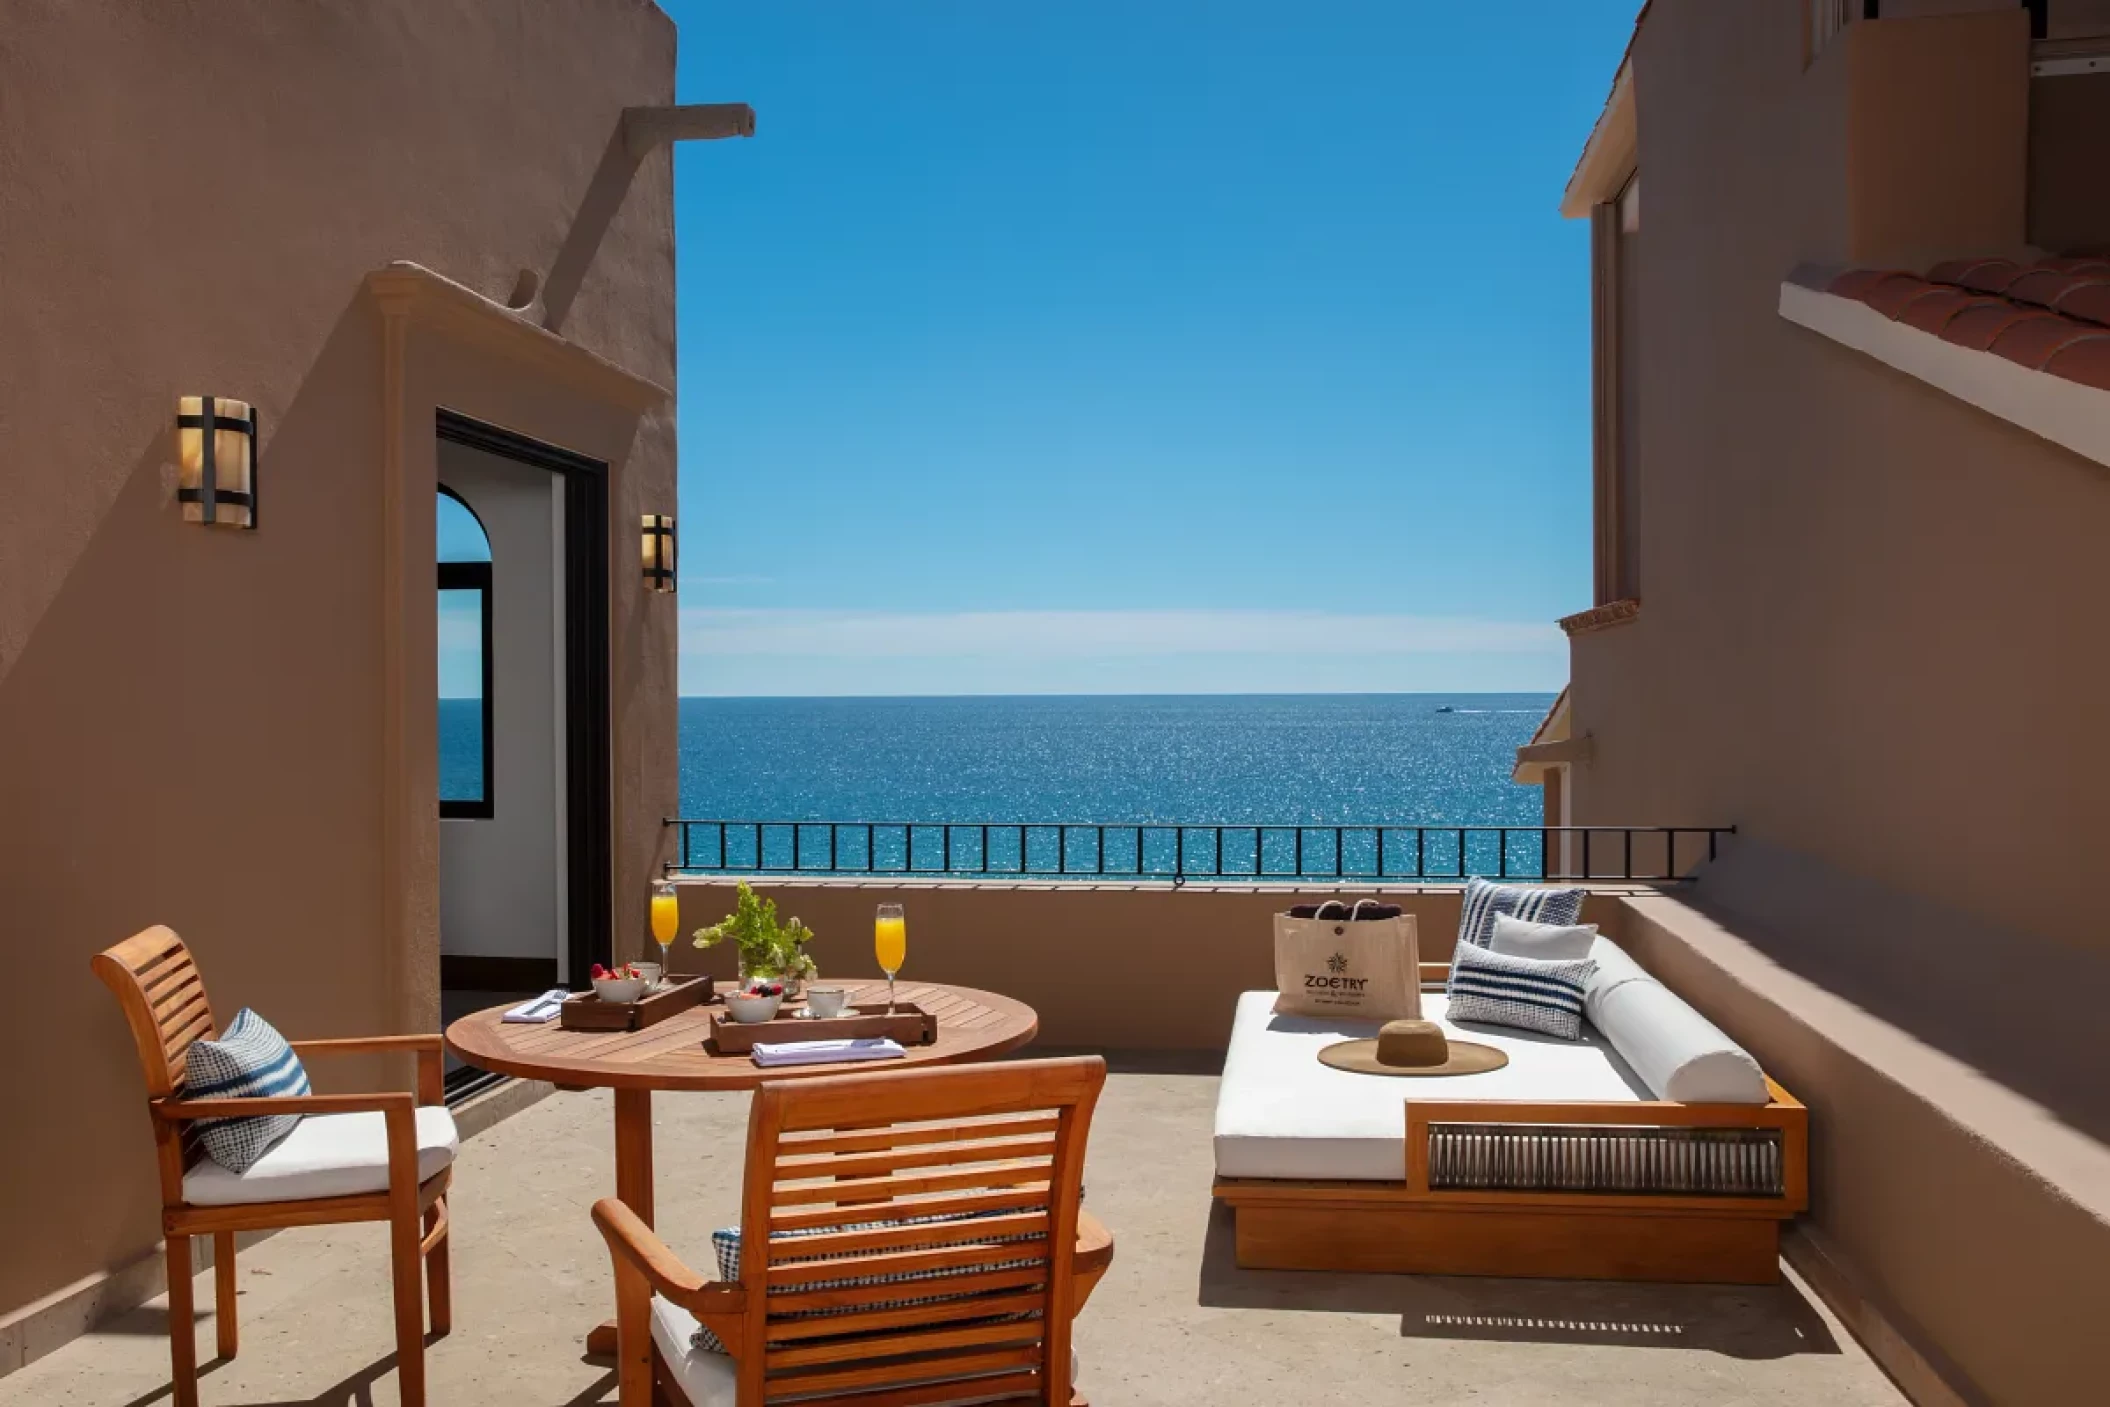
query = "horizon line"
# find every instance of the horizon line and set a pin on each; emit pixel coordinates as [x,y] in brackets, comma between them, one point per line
[1160,694]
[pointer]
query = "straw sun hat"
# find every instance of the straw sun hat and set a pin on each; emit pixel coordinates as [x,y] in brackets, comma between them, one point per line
[1413,1048]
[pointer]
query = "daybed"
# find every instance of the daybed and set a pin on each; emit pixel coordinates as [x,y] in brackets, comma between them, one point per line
[1651,1149]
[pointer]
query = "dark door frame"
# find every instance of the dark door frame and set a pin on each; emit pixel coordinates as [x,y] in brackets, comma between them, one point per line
[589,852]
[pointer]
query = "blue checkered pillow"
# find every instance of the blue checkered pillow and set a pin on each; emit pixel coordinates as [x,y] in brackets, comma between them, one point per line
[249,1060]
[1523,992]
[726,1242]
[1538,903]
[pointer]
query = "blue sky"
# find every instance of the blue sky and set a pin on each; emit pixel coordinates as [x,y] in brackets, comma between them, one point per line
[1086,347]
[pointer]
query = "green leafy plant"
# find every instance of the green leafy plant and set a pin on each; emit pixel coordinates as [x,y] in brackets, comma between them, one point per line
[767,948]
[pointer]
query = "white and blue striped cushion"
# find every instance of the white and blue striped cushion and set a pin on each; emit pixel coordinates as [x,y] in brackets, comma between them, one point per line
[1538,903]
[250,1060]
[1523,992]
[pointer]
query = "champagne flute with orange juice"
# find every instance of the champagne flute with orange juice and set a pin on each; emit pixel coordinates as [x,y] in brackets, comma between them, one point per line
[890,945]
[666,918]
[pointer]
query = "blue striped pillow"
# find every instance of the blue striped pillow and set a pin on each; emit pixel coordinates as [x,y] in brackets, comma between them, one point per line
[1537,903]
[1523,992]
[250,1060]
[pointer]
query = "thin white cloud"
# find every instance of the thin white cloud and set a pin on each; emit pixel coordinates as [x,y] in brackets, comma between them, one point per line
[1041,635]
[728,581]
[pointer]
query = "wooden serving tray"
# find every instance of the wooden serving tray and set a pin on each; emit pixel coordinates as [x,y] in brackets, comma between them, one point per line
[587,1012]
[910,1025]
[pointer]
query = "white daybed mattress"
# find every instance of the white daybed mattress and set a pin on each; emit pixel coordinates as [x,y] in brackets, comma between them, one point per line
[1281,1114]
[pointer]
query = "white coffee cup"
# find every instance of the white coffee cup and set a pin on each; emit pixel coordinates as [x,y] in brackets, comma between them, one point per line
[825,1002]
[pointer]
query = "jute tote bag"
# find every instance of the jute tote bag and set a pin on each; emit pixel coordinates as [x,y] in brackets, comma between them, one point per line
[1359,964]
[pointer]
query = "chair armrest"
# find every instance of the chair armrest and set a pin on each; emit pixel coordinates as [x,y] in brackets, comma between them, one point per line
[632,1244]
[358,1045]
[1094,1253]
[182,1110]
[427,1048]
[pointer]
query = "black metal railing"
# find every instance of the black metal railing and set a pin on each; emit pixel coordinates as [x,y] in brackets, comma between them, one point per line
[1180,852]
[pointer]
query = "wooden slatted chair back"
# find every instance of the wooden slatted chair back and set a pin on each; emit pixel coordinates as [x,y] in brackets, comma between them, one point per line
[911,1234]
[164,1001]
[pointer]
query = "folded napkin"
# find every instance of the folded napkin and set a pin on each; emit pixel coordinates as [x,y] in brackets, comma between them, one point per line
[541,1009]
[826,1052]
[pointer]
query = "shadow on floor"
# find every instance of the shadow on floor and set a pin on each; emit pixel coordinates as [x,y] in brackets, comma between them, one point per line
[1737,1321]
[358,1390]
[354,1391]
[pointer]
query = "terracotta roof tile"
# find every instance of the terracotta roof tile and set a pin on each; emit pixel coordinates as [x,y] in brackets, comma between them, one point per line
[1894,294]
[2044,286]
[2076,263]
[2052,316]
[1977,327]
[2032,341]
[2086,361]
[1931,310]
[1988,275]
[2090,298]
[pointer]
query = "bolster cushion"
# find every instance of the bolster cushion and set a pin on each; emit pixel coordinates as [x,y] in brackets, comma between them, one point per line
[1678,1053]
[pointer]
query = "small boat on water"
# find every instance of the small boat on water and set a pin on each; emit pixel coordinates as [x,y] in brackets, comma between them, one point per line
[1446,709]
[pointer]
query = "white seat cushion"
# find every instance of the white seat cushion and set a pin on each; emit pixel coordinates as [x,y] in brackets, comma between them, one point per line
[709,1379]
[328,1155]
[1281,1114]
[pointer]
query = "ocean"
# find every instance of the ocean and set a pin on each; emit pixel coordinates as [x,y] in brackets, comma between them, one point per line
[1313,759]
[1291,759]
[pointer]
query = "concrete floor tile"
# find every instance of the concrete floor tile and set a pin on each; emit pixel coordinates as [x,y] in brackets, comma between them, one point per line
[1175,1322]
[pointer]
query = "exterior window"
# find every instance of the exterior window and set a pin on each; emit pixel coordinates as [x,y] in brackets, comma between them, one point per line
[1615,240]
[464,663]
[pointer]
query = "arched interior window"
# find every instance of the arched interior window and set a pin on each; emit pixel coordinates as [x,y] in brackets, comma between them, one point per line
[465,661]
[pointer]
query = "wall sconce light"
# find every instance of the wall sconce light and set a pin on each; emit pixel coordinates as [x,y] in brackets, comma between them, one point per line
[658,546]
[216,469]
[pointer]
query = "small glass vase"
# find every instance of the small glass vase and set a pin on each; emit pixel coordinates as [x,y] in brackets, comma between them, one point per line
[794,989]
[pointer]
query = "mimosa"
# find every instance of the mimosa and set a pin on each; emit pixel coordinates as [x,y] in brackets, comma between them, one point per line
[666,919]
[890,945]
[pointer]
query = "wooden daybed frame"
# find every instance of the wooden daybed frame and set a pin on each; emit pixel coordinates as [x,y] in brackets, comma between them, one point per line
[1409,1227]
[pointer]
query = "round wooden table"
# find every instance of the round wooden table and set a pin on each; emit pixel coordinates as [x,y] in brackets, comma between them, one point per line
[972,1025]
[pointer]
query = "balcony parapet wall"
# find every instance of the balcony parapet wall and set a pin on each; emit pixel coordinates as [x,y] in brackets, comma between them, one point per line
[1119,966]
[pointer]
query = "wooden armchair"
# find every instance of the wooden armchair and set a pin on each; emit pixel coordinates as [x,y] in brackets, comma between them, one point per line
[341,1164]
[909,1237]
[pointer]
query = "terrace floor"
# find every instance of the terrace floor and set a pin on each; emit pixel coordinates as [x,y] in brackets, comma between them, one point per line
[1175,1322]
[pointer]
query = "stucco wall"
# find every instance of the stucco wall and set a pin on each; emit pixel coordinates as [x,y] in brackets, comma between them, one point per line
[1862,639]
[193,724]
[501,875]
[1967,1207]
[1857,635]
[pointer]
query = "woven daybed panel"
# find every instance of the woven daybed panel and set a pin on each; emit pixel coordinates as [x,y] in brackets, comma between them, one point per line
[1565,1158]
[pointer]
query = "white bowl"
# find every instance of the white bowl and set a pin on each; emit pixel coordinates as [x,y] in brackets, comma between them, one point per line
[619,989]
[745,1007]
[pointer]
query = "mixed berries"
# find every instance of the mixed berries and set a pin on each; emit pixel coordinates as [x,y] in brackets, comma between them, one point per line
[625,972]
[761,987]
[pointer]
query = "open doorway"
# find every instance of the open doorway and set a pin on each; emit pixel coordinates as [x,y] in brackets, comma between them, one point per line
[522,599]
